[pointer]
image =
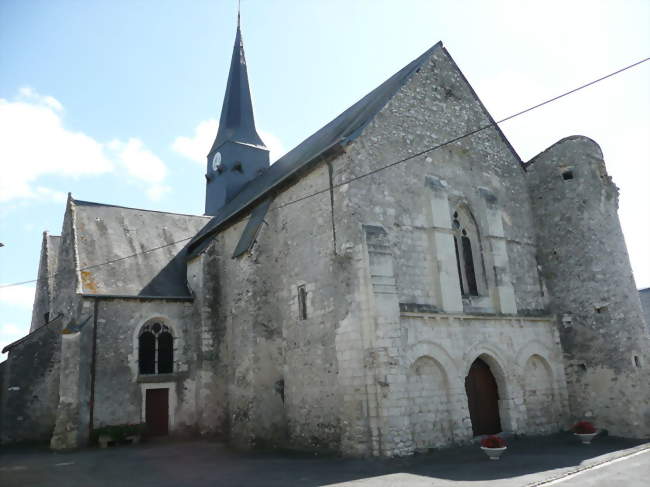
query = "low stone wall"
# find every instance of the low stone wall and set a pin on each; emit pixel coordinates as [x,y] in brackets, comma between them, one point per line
[31,387]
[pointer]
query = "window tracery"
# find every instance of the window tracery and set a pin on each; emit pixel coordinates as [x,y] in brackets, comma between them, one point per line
[467,248]
[155,349]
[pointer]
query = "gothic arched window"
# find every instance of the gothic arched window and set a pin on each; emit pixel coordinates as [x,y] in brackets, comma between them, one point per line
[155,349]
[468,253]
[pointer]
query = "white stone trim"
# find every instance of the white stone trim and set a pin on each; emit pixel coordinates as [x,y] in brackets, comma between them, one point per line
[439,354]
[178,343]
[171,404]
[454,316]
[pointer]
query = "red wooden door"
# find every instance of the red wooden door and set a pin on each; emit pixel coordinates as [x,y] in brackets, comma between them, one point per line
[157,411]
[482,399]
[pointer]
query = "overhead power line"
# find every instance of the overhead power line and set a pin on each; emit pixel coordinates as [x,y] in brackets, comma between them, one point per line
[369,173]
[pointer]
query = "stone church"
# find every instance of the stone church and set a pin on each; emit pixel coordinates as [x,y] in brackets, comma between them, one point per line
[341,300]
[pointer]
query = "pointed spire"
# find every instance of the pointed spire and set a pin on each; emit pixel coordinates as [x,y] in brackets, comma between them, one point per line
[237,123]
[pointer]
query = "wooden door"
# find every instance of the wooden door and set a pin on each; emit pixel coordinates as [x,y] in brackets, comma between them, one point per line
[482,399]
[157,411]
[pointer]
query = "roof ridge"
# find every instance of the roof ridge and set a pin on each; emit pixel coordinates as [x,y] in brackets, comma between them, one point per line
[93,203]
[344,128]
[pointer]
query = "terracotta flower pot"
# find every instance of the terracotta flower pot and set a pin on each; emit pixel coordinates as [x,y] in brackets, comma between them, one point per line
[494,453]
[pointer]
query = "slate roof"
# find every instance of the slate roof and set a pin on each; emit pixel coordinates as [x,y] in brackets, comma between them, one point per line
[31,333]
[107,232]
[237,122]
[342,130]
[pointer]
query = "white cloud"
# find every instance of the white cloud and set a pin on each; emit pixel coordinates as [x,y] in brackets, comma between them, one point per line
[50,194]
[29,95]
[142,165]
[597,112]
[35,143]
[21,296]
[157,191]
[196,147]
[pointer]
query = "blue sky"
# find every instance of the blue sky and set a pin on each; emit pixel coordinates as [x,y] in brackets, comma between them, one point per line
[116,101]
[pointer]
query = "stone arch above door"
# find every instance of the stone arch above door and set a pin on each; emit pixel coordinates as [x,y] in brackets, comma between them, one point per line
[507,390]
[483,399]
[539,396]
[495,358]
[429,404]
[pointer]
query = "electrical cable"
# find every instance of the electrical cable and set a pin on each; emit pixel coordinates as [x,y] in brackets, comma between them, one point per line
[369,173]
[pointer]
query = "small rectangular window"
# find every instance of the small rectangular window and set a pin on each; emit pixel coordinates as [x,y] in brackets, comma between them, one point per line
[567,175]
[302,302]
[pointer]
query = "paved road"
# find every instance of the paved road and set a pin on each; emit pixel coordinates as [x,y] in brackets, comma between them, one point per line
[630,471]
[529,461]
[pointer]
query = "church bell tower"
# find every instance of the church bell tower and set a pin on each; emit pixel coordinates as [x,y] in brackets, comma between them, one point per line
[238,154]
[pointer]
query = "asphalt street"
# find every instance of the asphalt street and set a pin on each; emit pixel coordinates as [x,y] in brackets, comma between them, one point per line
[553,460]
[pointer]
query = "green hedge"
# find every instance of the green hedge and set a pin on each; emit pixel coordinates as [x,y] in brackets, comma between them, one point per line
[119,432]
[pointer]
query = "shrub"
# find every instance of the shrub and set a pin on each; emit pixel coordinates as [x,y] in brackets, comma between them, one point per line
[119,432]
[493,441]
[583,427]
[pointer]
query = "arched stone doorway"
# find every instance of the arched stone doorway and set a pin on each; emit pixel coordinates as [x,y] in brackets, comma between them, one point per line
[482,399]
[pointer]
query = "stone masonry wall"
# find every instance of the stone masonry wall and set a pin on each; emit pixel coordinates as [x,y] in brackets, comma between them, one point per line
[523,355]
[395,227]
[70,430]
[479,172]
[119,387]
[585,264]
[42,295]
[31,387]
[281,370]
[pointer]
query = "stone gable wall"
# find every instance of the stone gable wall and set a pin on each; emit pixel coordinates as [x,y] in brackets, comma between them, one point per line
[119,387]
[396,226]
[480,172]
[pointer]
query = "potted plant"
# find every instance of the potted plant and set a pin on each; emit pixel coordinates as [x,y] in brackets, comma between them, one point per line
[133,433]
[119,433]
[493,446]
[585,431]
[105,436]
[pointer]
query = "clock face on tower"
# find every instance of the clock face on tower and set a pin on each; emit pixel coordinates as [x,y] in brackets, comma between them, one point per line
[216,161]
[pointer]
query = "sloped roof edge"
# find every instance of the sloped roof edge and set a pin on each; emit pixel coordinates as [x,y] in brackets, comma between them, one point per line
[486,111]
[342,130]
[110,233]
[31,333]
[93,203]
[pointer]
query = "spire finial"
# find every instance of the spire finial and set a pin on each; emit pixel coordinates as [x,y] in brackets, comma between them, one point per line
[238,12]
[237,123]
